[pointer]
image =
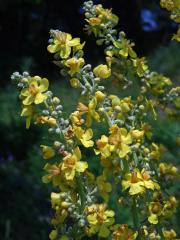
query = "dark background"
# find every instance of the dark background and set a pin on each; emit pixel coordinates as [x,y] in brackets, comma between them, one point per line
[25,25]
[24,32]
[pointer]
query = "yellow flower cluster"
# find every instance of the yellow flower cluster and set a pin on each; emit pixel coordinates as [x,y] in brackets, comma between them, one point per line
[161,210]
[113,132]
[123,232]
[33,92]
[101,16]
[173,6]
[99,220]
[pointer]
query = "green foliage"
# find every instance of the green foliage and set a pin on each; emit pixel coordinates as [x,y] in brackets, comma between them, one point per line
[166,60]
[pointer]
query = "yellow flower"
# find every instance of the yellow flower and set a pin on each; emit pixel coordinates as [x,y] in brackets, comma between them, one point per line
[53,174]
[99,220]
[106,15]
[99,96]
[48,152]
[76,118]
[155,210]
[115,101]
[125,47]
[72,164]
[168,4]
[137,182]
[158,84]
[120,138]
[34,93]
[102,71]
[53,235]
[46,120]
[140,65]
[84,136]
[78,47]
[90,110]
[64,237]
[104,147]
[167,169]
[170,207]
[27,112]
[169,234]
[74,82]
[74,64]
[155,152]
[177,36]
[94,21]
[123,232]
[104,187]
[137,134]
[60,206]
[62,43]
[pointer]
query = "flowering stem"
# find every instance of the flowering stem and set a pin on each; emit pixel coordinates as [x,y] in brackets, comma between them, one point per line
[108,119]
[159,230]
[81,191]
[135,214]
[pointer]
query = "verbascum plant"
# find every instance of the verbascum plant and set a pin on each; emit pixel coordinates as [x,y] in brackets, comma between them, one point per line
[131,163]
[173,6]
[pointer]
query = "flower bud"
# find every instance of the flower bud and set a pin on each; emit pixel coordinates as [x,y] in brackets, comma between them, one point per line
[57,144]
[141,107]
[102,71]
[48,152]
[49,93]
[53,235]
[58,130]
[81,223]
[45,112]
[56,100]
[137,134]
[74,82]
[54,114]
[100,96]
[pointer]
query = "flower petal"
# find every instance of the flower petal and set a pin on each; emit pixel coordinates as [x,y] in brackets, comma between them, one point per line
[44,84]
[69,174]
[40,98]
[74,42]
[29,100]
[52,48]
[125,149]
[77,153]
[87,143]
[136,188]
[88,134]
[65,51]
[24,92]
[81,166]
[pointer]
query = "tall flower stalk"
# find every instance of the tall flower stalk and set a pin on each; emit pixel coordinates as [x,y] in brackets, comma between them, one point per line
[131,162]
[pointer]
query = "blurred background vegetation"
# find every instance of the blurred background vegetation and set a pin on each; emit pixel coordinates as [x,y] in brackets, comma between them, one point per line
[24,30]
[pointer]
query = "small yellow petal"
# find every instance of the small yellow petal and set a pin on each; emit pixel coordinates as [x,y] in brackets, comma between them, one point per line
[39,98]
[81,166]
[153,219]
[29,100]
[44,84]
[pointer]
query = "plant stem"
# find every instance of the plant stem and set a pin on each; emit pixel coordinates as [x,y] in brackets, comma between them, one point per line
[108,120]
[81,191]
[135,214]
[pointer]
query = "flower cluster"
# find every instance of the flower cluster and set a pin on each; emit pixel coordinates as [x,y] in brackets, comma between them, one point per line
[115,131]
[174,7]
